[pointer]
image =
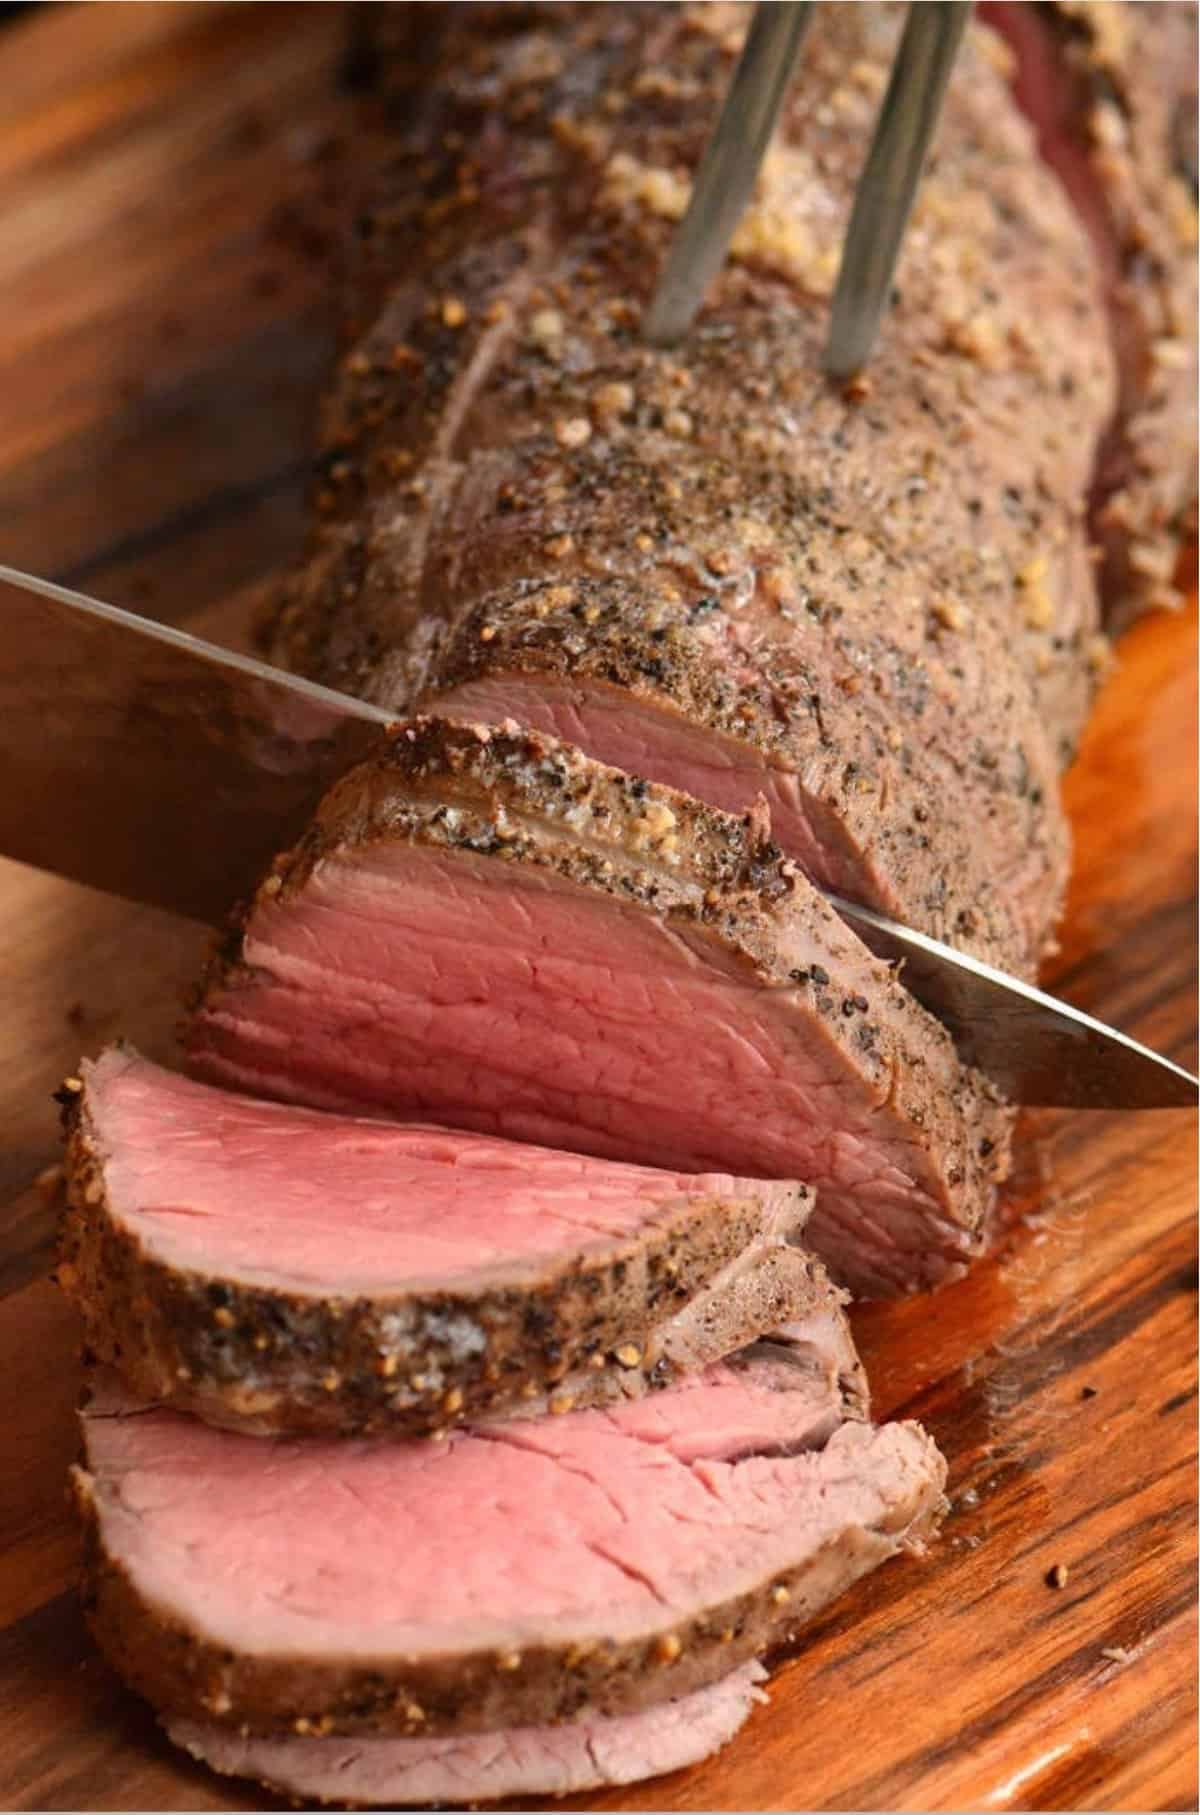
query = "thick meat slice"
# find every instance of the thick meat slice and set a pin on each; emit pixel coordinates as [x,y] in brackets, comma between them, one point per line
[707,565]
[511,1575]
[280,1269]
[585,1754]
[490,930]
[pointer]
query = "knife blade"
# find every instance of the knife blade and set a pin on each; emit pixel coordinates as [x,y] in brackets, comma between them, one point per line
[142,760]
[147,762]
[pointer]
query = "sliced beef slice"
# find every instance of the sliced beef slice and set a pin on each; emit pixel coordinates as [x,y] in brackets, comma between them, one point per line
[706,564]
[487,929]
[282,1269]
[512,1575]
[585,1754]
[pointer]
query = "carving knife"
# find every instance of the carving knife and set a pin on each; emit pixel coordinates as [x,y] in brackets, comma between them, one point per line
[144,761]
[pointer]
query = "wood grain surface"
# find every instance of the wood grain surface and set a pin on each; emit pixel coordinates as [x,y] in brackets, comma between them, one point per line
[163,293]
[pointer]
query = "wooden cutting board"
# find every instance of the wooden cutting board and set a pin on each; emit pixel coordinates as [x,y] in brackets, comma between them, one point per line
[162,287]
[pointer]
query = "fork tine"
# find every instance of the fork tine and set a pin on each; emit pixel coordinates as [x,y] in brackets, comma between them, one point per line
[729,166]
[888,186]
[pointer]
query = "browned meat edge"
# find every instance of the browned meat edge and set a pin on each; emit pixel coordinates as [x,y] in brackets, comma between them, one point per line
[710,871]
[182,1673]
[1111,92]
[512,484]
[469,1768]
[273,1360]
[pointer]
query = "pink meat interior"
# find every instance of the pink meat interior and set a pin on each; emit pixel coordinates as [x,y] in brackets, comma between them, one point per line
[448,987]
[505,1535]
[344,1203]
[653,742]
[660,745]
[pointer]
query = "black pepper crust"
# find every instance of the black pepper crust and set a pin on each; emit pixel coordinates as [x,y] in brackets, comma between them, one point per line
[185,1674]
[584,1329]
[877,817]
[519,798]
[886,594]
[1127,81]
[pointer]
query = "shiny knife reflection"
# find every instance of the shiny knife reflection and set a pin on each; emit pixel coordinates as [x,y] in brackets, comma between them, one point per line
[144,761]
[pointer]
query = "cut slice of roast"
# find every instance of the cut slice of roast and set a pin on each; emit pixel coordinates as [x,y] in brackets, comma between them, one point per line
[488,929]
[512,1575]
[585,1754]
[704,563]
[277,1268]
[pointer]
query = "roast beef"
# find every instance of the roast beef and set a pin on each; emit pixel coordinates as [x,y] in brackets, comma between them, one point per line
[281,1269]
[706,565]
[487,929]
[585,1754]
[1111,91]
[514,1574]
[861,626]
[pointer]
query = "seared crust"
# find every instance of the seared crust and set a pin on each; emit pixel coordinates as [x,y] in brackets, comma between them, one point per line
[868,815]
[627,836]
[596,1755]
[1131,73]
[520,798]
[271,1360]
[186,1674]
[885,595]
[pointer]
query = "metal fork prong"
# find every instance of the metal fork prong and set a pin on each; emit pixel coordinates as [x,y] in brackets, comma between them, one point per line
[729,166]
[888,186]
